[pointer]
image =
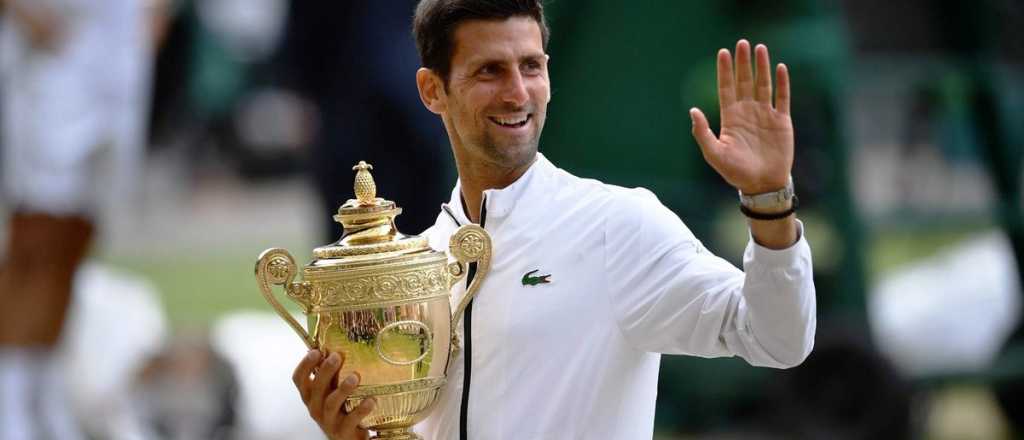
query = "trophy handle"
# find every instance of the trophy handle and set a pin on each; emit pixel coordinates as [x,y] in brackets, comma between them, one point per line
[276,266]
[469,244]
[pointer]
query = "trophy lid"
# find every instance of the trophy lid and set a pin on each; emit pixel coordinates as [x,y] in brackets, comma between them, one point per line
[369,223]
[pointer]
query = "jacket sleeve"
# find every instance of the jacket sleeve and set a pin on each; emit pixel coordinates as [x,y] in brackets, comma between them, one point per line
[668,294]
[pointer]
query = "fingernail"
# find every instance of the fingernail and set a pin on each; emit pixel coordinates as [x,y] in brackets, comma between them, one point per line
[313,355]
[333,359]
[371,403]
[351,380]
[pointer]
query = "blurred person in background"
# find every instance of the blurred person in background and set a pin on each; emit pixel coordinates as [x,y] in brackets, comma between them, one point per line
[74,76]
[353,61]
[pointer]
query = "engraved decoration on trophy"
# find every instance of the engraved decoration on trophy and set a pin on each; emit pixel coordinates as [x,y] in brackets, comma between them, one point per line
[382,299]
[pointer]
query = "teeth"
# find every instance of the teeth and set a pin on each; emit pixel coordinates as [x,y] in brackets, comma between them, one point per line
[511,120]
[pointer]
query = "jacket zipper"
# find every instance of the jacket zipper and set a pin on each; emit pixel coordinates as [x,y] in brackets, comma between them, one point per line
[467,332]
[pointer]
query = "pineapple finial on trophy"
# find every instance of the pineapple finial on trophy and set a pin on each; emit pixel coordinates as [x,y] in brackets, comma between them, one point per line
[366,189]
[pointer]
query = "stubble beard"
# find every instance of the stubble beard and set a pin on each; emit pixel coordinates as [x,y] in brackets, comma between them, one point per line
[512,153]
[509,155]
[502,152]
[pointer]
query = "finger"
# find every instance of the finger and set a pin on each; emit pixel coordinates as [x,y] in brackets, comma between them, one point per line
[328,369]
[702,133]
[782,89]
[302,372]
[744,74]
[334,403]
[726,82]
[351,421]
[763,87]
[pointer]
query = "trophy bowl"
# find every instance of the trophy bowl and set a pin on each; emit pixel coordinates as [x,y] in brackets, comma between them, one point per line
[383,300]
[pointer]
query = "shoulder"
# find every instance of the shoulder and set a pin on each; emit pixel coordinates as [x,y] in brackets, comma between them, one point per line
[618,208]
[596,194]
[438,233]
[631,206]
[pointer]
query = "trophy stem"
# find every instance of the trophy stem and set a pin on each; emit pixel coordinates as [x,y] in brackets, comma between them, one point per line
[396,434]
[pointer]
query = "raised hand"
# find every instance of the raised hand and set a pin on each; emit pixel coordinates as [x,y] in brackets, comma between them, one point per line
[754,151]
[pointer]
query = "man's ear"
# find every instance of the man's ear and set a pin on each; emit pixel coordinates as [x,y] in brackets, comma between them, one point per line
[432,91]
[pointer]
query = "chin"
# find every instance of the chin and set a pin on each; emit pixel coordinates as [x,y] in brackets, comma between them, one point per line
[508,152]
[513,156]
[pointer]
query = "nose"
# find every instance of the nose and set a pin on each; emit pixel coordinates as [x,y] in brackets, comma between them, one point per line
[515,90]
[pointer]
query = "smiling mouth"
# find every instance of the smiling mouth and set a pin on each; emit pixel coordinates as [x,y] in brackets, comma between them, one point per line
[511,122]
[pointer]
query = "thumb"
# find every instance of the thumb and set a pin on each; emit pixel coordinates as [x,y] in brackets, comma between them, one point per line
[702,133]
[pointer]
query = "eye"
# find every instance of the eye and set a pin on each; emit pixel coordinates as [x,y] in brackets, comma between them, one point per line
[532,67]
[489,70]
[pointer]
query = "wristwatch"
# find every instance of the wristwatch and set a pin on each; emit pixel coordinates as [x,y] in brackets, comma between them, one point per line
[769,202]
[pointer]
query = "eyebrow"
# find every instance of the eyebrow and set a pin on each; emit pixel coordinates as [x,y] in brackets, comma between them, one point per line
[475,64]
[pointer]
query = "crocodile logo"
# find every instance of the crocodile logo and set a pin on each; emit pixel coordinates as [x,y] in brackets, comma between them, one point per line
[530,280]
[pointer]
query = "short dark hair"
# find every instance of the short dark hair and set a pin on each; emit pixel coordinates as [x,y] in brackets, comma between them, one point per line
[435,21]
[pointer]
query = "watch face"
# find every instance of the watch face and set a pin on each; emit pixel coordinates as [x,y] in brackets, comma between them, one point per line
[773,200]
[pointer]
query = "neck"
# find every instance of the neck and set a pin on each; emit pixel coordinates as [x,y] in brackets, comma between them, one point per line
[478,176]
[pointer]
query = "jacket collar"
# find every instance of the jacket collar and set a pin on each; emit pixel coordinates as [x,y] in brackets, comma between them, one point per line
[501,202]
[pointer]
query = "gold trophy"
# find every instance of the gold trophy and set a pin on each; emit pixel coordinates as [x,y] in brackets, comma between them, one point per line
[382,299]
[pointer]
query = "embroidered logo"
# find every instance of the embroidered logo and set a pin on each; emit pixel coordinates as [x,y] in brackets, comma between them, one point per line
[530,280]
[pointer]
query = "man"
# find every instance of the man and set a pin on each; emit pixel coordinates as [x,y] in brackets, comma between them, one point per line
[74,83]
[589,282]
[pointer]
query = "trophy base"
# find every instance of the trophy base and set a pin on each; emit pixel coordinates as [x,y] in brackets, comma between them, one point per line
[396,434]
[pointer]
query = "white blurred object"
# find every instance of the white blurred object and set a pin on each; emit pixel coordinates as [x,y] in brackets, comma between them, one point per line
[264,351]
[115,323]
[950,313]
[250,29]
[74,118]
[272,119]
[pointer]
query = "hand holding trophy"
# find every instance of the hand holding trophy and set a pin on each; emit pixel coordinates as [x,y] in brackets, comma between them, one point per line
[379,300]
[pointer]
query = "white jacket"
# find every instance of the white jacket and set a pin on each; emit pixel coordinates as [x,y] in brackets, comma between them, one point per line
[578,357]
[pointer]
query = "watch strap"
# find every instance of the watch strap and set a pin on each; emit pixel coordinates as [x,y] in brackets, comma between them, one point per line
[773,215]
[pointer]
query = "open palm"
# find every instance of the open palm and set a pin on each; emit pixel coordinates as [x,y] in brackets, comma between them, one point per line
[754,151]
